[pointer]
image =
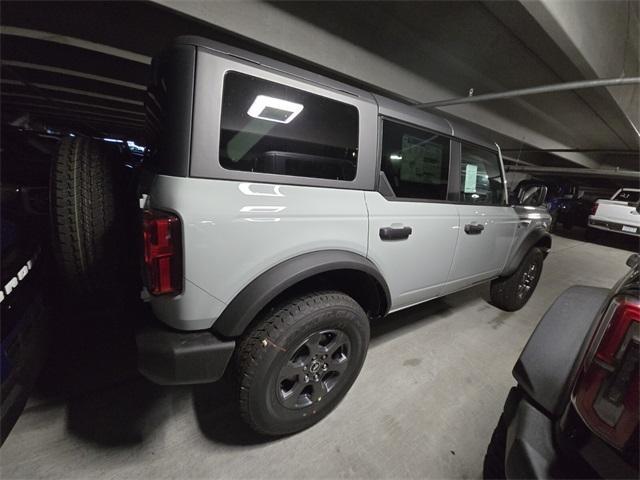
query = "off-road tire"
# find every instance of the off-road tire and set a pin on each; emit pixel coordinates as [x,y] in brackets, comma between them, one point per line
[504,290]
[91,242]
[274,338]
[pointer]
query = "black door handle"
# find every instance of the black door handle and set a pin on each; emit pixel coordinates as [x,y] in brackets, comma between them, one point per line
[390,233]
[473,229]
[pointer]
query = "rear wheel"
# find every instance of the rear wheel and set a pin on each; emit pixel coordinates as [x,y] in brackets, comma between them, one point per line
[514,291]
[300,360]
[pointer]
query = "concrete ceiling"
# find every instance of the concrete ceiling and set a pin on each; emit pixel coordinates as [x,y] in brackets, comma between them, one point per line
[83,66]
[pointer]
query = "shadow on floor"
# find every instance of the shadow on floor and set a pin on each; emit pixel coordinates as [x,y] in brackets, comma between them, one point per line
[608,239]
[92,369]
[218,415]
[397,323]
[119,416]
[89,351]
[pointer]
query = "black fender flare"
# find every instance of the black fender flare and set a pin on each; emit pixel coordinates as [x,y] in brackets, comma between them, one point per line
[536,236]
[550,362]
[263,289]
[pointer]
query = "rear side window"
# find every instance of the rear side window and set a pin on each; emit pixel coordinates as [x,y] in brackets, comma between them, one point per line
[628,196]
[481,178]
[415,161]
[268,127]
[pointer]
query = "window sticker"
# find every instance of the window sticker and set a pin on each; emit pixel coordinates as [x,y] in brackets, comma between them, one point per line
[421,160]
[470,178]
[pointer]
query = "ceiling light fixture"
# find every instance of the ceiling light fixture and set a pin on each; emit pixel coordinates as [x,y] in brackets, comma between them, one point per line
[274,109]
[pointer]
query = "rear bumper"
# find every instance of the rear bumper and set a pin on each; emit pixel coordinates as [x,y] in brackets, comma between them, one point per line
[545,437]
[544,373]
[529,452]
[170,357]
[532,449]
[538,447]
[612,226]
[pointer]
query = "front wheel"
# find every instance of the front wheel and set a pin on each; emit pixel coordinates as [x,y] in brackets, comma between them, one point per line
[300,360]
[511,293]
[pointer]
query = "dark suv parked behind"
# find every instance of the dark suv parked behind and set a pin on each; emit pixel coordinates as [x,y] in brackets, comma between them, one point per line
[574,412]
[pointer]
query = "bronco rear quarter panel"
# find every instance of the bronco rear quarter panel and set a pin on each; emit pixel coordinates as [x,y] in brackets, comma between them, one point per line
[234,231]
[238,224]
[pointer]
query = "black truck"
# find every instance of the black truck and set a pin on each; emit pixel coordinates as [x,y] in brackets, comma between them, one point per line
[574,411]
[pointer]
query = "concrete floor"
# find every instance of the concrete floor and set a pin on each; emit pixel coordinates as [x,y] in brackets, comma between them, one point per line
[424,406]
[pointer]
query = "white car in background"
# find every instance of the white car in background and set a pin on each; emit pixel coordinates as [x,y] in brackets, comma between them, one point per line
[620,214]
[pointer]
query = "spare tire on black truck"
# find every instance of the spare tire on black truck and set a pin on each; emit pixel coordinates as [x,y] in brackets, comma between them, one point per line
[92,212]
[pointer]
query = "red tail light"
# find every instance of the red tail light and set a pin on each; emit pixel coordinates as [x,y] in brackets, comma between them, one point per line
[606,395]
[594,208]
[162,252]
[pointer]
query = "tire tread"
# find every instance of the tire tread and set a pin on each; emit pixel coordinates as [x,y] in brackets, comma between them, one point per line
[85,216]
[503,290]
[252,346]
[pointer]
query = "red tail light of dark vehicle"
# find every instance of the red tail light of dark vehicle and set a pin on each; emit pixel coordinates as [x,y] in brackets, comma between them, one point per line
[606,395]
[162,233]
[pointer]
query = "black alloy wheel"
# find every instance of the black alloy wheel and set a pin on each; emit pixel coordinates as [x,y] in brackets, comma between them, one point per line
[299,360]
[314,369]
[528,280]
[512,292]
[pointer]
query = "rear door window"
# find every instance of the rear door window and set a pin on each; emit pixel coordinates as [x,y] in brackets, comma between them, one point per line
[268,127]
[481,177]
[415,161]
[628,196]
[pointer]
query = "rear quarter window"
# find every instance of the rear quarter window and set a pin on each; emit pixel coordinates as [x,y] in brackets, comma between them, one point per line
[628,196]
[268,127]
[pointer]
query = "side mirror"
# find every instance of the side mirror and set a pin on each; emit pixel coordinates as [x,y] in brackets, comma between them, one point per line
[543,195]
[633,260]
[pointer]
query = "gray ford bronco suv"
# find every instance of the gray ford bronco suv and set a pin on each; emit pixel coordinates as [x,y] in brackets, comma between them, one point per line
[284,211]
